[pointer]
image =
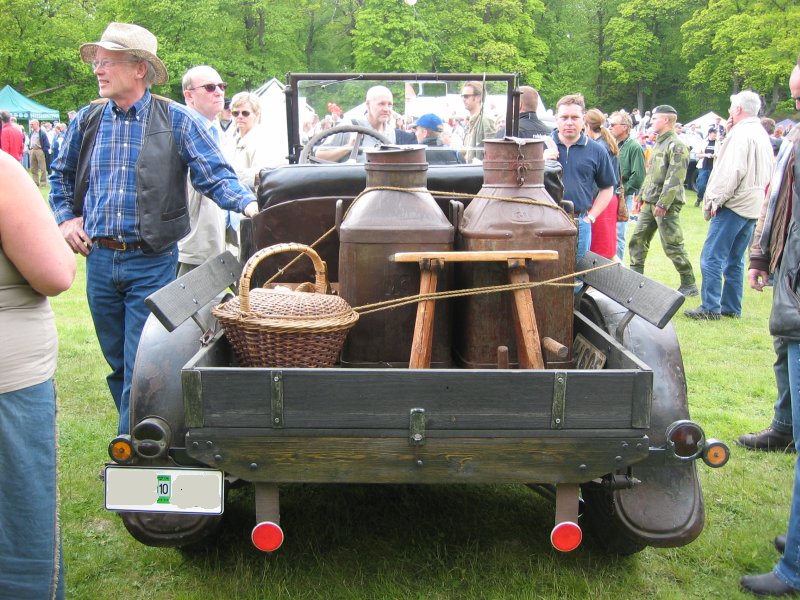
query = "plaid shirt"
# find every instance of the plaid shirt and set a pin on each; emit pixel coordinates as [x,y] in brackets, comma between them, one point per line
[110,207]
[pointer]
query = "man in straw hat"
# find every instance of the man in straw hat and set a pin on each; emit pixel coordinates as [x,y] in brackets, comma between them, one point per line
[119,191]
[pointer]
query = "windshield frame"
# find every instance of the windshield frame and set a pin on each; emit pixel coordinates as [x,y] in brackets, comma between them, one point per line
[294,80]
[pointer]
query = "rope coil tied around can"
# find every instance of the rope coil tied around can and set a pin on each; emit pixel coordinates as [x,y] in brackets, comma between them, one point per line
[397,302]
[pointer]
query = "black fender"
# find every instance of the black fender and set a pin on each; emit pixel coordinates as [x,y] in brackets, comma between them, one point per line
[666,509]
[156,382]
[156,392]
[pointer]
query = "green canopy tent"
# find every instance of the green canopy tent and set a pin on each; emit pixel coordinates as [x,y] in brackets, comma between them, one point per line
[23,107]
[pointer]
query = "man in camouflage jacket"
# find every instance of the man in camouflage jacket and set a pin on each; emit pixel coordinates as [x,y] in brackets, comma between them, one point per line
[661,200]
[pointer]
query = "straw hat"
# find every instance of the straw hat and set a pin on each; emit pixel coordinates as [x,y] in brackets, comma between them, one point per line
[126,37]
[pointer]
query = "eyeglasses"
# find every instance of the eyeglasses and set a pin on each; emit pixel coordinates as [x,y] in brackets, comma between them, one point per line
[469,95]
[107,62]
[210,87]
[244,113]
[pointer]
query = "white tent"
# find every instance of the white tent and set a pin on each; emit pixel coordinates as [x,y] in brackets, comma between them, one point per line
[704,122]
[273,119]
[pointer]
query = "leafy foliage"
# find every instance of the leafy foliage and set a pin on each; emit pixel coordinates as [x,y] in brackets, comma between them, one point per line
[616,52]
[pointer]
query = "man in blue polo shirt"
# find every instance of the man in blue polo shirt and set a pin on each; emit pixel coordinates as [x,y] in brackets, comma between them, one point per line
[588,176]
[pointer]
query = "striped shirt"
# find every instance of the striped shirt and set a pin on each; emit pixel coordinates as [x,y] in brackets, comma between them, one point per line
[110,207]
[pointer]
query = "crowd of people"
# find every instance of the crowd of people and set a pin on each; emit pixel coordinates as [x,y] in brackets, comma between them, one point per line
[117,200]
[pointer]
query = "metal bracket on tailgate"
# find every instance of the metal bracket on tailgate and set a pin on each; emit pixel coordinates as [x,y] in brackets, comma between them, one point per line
[559,395]
[416,427]
[276,399]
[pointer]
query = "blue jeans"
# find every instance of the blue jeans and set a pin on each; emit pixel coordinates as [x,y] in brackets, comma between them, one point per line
[702,182]
[31,561]
[584,236]
[788,568]
[116,285]
[728,237]
[782,417]
[622,228]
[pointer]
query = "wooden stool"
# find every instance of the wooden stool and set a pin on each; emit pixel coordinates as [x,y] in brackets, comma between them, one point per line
[430,263]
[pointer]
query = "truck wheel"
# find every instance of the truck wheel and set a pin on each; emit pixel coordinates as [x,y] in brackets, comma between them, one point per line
[171,530]
[601,521]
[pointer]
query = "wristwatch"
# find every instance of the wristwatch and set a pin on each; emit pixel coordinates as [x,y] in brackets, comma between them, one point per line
[591,218]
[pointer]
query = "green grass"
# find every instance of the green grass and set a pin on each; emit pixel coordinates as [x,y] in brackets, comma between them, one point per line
[433,542]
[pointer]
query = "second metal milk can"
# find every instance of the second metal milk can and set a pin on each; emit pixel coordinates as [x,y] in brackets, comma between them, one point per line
[513,168]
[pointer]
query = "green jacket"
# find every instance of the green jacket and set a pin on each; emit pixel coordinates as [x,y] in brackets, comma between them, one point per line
[663,184]
[631,164]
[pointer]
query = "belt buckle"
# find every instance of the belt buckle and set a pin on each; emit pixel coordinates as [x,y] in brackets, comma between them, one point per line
[124,246]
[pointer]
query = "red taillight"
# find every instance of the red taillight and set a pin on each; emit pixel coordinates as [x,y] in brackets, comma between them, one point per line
[566,536]
[267,536]
[686,439]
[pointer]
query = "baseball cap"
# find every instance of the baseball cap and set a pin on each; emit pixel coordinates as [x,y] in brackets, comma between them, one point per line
[429,121]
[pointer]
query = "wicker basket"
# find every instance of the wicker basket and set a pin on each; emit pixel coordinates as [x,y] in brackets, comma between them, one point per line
[269,328]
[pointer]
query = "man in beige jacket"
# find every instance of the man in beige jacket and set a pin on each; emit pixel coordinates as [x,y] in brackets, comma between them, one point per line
[732,202]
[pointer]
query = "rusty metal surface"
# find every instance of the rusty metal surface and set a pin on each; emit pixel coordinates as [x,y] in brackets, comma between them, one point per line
[379,224]
[485,322]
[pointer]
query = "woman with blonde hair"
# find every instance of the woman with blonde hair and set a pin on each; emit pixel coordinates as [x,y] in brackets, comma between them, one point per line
[604,229]
[252,153]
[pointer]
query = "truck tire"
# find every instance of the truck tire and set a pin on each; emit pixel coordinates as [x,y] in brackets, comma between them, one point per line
[169,530]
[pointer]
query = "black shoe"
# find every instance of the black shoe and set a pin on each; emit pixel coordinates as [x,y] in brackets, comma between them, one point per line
[767,584]
[780,543]
[689,290]
[731,315]
[701,314]
[768,440]
[697,203]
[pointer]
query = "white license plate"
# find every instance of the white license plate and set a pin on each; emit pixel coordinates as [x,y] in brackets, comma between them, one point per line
[153,489]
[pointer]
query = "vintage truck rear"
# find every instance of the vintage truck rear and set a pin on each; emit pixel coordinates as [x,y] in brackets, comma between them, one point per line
[613,447]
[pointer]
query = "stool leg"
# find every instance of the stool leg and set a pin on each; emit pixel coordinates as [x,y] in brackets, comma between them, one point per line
[529,346]
[422,344]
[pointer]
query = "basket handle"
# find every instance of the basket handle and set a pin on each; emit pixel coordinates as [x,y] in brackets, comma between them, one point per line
[320,269]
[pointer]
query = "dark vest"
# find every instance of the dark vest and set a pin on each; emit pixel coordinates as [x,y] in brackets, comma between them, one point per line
[160,176]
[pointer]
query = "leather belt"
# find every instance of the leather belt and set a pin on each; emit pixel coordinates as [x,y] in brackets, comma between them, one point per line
[112,244]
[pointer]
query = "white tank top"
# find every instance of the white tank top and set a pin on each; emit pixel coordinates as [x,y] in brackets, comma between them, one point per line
[28,337]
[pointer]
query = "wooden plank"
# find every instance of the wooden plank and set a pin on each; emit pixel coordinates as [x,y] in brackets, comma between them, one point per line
[300,458]
[529,346]
[476,255]
[422,342]
[651,300]
[192,398]
[179,300]
[452,399]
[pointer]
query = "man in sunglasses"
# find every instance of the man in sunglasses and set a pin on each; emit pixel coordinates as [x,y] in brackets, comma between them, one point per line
[204,93]
[379,115]
[480,126]
[118,191]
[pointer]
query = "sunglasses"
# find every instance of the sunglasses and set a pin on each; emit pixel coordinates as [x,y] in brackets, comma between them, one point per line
[210,87]
[244,113]
[469,95]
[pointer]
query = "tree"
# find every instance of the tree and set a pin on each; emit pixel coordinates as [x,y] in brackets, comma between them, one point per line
[454,36]
[753,44]
[644,42]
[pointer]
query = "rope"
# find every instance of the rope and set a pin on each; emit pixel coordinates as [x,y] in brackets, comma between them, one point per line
[397,302]
[550,205]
